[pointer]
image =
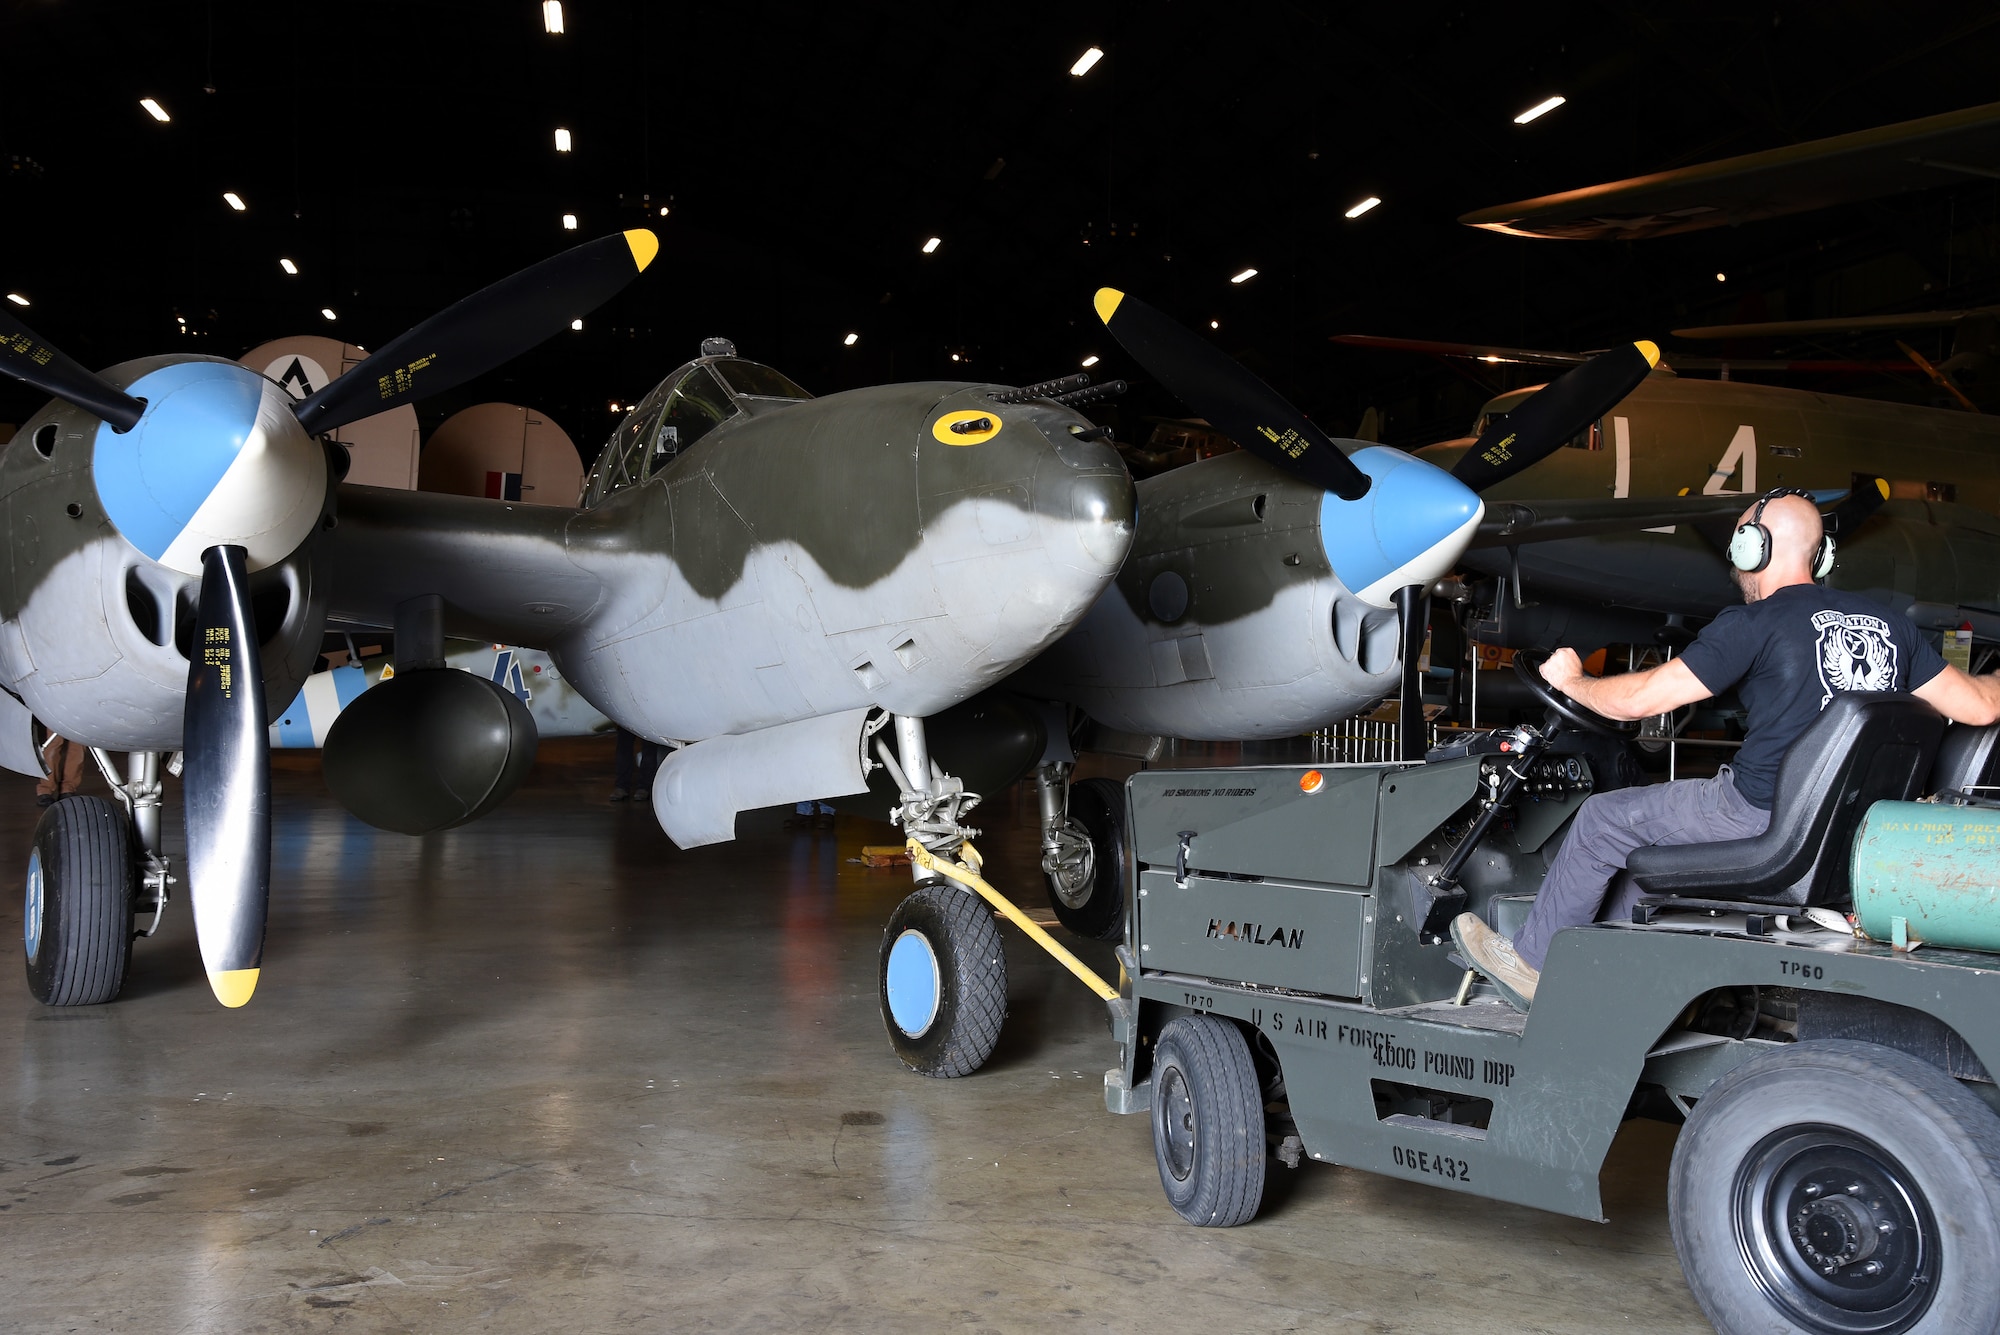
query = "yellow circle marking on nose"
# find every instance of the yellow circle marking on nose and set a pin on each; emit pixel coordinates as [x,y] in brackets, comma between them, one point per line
[966,427]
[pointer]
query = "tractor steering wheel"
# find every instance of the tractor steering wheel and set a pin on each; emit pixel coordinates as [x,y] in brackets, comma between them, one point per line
[1528,667]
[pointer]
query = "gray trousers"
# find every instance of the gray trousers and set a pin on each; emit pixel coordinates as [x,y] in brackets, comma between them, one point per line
[1607,828]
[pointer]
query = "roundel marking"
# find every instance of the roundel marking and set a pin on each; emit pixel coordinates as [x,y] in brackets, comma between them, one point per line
[966,427]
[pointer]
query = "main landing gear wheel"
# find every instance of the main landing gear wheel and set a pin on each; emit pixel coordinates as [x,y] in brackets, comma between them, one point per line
[1839,1188]
[1088,891]
[77,926]
[1208,1122]
[943,981]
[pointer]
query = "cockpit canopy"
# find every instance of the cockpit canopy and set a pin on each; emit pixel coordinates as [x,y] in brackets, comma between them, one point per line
[686,406]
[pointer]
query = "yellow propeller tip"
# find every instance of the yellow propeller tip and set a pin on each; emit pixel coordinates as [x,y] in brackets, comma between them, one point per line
[644,246]
[1647,349]
[233,986]
[1106,301]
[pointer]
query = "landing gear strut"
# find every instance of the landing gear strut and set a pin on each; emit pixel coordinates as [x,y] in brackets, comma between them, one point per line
[942,981]
[1085,852]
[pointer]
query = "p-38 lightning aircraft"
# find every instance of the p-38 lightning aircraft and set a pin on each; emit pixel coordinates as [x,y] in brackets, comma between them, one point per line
[758,572]
[779,585]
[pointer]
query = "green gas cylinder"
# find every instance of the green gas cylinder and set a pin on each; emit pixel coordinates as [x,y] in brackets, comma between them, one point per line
[1934,867]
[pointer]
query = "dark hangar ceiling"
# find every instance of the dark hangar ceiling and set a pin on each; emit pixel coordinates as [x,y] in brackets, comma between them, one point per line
[402,155]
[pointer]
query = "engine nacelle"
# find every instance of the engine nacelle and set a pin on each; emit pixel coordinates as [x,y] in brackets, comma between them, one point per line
[428,749]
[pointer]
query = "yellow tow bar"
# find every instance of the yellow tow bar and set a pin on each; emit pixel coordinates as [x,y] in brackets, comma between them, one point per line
[968,876]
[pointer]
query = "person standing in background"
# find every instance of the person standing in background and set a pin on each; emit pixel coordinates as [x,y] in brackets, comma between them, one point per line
[62,770]
[636,760]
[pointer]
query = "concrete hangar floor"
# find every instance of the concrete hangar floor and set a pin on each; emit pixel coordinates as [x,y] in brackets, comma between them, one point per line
[549,1073]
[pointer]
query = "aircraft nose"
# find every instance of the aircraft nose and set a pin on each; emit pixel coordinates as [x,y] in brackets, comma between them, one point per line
[1410,528]
[1087,504]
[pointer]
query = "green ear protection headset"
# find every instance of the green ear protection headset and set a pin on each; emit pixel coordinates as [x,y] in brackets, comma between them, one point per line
[1750,546]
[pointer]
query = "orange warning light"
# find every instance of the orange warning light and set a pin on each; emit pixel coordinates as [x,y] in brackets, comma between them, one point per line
[1311,781]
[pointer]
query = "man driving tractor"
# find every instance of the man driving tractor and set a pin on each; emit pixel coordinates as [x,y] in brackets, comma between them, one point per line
[1789,650]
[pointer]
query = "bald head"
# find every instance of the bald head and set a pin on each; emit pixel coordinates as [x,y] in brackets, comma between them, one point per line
[1796,530]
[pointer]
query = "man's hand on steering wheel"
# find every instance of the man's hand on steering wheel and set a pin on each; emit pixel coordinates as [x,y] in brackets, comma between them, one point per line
[1561,669]
[1549,679]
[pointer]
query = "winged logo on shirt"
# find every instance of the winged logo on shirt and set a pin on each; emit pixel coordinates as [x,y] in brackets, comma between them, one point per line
[1856,653]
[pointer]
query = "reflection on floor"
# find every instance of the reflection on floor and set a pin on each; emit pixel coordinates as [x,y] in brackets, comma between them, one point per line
[548,1073]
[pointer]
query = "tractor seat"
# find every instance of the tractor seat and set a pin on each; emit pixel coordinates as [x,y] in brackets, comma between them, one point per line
[1968,763]
[1864,748]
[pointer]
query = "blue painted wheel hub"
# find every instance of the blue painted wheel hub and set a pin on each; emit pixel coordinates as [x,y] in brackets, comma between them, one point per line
[915,983]
[31,920]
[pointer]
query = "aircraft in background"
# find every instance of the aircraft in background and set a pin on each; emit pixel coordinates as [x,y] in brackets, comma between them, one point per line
[1889,159]
[529,675]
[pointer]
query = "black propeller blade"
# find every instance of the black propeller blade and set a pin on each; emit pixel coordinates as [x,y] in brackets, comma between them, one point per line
[1234,401]
[1855,508]
[226,781]
[1563,407]
[26,357]
[492,326]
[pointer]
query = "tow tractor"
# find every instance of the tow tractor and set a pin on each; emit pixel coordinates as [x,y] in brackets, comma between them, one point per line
[1816,1004]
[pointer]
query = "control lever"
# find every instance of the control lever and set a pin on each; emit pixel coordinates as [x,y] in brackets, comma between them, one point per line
[1180,860]
[1524,745]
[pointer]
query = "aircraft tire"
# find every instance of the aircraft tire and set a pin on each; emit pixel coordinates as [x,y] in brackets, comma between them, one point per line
[1208,1122]
[78,920]
[1094,909]
[943,981]
[1850,1150]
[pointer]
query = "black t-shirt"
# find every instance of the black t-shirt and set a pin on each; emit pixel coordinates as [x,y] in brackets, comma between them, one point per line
[1788,654]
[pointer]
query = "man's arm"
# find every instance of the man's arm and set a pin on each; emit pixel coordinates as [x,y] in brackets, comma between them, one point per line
[1631,695]
[1963,698]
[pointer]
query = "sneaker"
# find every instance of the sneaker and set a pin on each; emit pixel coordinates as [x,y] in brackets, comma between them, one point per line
[619,794]
[1493,955]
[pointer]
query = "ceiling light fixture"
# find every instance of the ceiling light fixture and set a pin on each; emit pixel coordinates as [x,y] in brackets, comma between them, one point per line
[1244,277]
[1722,278]
[1085,61]
[17,298]
[552,16]
[1091,360]
[1491,360]
[1215,324]
[234,200]
[954,356]
[616,408]
[327,311]
[930,246]
[1363,206]
[562,140]
[1540,109]
[663,210]
[576,325]
[287,265]
[850,340]
[569,222]
[155,110]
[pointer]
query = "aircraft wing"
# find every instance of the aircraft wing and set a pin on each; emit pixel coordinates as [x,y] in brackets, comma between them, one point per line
[1512,523]
[505,572]
[1885,160]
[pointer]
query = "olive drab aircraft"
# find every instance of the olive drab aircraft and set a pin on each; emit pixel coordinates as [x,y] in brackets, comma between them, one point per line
[754,574]
[796,593]
[1927,541]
